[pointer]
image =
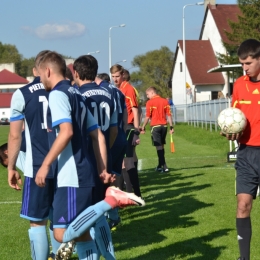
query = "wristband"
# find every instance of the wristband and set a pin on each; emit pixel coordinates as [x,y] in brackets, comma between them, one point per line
[136,132]
[171,127]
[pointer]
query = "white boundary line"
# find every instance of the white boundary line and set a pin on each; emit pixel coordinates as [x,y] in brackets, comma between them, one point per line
[10,202]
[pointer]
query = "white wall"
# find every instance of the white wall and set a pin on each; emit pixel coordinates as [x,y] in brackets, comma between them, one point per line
[10,86]
[5,112]
[212,34]
[7,66]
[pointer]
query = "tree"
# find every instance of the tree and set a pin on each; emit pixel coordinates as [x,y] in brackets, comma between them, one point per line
[248,26]
[154,70]
[10,54]
[27,67]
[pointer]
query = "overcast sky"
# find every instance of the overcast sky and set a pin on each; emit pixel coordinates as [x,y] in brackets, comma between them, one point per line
[76,27]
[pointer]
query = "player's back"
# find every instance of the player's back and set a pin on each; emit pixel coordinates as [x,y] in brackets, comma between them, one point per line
[75,168]
[30,103]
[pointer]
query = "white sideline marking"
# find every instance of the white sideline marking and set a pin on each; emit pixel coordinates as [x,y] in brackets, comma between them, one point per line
[140,164]
[10,202]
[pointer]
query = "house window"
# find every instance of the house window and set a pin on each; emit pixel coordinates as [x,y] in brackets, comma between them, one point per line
[180,66]
[3,113]
[214,95]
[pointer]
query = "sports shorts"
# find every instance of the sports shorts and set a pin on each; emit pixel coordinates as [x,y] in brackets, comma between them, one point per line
[69,202]
[247,170]
[129,137]
[159,133]
[36,201]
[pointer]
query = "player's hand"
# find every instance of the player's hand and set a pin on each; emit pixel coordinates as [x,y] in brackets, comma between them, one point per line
[136,140]
[232,137]
[14,179]
[41,176]
[172,131]
[142,130]
[106,177]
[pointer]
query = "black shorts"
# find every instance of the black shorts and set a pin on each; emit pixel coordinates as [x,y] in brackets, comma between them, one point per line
[129,137]
[159,133]
[247,170]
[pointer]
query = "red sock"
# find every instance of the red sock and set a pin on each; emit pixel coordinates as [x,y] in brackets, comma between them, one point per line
[111,201]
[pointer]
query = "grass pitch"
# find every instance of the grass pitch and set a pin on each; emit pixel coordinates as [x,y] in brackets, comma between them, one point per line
[189,212]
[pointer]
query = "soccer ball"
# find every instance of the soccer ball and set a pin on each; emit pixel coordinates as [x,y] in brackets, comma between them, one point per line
[232,121]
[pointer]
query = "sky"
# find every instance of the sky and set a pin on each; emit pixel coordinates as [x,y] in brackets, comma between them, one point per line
[77,27]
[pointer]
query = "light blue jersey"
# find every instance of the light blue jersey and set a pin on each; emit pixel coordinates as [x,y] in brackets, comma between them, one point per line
[74,166]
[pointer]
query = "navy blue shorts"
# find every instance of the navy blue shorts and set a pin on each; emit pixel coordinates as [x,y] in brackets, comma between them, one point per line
[69,202]
[36,202]
[247,170]
[159,133]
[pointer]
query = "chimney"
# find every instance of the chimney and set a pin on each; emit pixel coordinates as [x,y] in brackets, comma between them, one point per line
[211,2]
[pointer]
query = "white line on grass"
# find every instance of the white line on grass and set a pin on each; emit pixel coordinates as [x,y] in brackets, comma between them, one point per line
[10,202]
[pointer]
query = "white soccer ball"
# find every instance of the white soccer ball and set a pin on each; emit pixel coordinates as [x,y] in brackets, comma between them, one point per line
[232,121]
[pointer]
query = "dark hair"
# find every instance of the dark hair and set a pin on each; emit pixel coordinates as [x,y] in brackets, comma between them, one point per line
[3,156]
[69,74]
[249,47]
[126,75]
[55,59]
[116,68]
[103,76]
[86,66]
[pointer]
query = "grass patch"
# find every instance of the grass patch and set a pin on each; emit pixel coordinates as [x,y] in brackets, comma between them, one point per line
[189,213]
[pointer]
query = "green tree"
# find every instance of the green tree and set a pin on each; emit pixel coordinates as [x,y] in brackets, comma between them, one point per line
[154,70]
[10,54]
[247,26]
[26,67]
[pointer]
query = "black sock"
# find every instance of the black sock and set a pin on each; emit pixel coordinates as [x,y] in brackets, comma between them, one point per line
[128,184]
[163,157]
[133,176]
[244,233]
[160,157]
[136,165]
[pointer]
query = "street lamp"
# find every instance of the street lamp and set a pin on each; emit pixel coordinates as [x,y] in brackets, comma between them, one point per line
[184,48]
[121,61]
[93,52]
[109,40]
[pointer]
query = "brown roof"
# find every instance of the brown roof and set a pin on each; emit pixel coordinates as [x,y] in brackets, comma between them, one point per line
[222,14]
[8,77]
[5,99]
[200,58]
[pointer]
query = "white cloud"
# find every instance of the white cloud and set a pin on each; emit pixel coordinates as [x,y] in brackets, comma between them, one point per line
[57,31]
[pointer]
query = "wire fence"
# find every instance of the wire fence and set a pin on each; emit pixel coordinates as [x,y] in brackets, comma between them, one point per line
[200,114]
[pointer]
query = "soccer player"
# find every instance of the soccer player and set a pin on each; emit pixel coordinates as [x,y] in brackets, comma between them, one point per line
[118,149]
[29,106]
[101,104]
[132,130]
[157,110]
[73,214]
[246,97]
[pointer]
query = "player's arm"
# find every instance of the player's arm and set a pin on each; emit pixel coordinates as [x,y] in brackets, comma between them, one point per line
[169,118]
[15,138]
[61,141]
[14,143]
[100,150]
[112,135]
[147,117]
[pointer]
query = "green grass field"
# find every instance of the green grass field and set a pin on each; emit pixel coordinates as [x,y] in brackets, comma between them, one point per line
[189,213]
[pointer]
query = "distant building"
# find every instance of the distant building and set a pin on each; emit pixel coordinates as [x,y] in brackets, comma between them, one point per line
[201,57]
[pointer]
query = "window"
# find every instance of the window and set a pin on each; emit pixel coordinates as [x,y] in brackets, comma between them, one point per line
[214,95]
[180,66]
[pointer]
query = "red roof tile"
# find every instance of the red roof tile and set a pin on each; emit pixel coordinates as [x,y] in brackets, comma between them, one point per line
[70,66]
[200,58]
[7,77]
[222,14]
[5,99]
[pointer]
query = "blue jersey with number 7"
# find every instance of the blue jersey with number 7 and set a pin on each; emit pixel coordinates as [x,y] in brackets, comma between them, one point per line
[30,103]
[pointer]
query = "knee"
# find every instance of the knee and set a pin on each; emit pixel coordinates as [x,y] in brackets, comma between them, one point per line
[244,208]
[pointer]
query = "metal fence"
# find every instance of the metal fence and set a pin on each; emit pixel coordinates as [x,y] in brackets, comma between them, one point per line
[200,114]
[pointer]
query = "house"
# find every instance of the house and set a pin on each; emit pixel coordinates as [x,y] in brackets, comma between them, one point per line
[5,102]
[201,57]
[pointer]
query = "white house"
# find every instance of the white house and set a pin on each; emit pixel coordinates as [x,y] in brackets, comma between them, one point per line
[201,57]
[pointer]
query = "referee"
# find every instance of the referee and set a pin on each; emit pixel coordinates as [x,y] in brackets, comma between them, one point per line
[157,110]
